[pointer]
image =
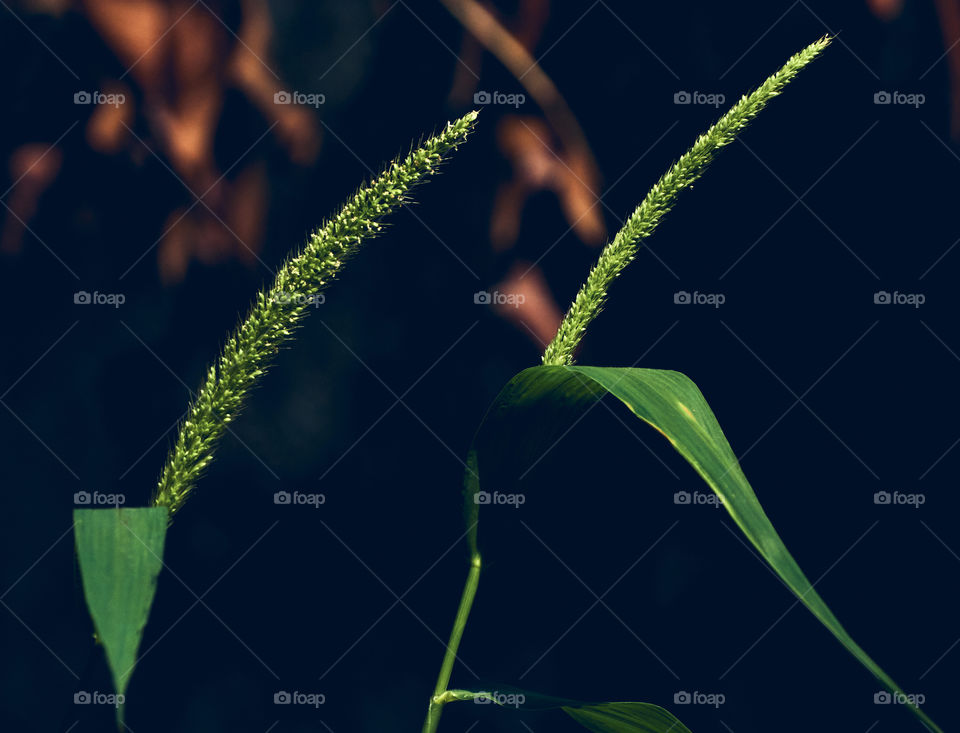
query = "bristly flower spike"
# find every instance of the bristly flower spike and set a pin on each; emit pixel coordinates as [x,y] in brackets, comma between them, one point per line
[274,316]
[620,252]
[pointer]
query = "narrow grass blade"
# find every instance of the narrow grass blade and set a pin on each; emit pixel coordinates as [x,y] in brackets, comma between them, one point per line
[120,553]
[540,403]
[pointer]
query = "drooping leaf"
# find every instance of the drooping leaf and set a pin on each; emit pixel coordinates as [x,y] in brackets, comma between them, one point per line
[539,404]
[604,717]
[626,717]
[120,553]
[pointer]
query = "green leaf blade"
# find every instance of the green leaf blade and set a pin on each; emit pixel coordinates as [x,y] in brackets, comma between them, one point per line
[626,717]
[120,552]
[672,404]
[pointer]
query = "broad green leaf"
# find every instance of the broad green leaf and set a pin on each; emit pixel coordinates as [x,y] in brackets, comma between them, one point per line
[539,404]
[626,717]
[120,553]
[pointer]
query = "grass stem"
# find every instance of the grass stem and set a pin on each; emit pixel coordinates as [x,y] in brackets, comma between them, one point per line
[446,668]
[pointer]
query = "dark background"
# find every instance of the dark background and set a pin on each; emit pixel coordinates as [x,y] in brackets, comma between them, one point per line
[301,599]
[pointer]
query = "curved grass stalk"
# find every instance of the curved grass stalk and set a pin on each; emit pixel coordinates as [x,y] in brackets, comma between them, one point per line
[589,301]
[621,251]
[276,312]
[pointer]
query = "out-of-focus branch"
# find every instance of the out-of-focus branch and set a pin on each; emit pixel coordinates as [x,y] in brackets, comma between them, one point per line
[949,14]
[886,9]
[512,54]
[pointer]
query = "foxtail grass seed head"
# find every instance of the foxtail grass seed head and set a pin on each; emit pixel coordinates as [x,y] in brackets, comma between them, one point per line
[620,252]
[276,312]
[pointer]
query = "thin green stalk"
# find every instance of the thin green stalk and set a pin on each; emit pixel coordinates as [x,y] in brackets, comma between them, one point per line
[441,695]
[621,251]
[277,312]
